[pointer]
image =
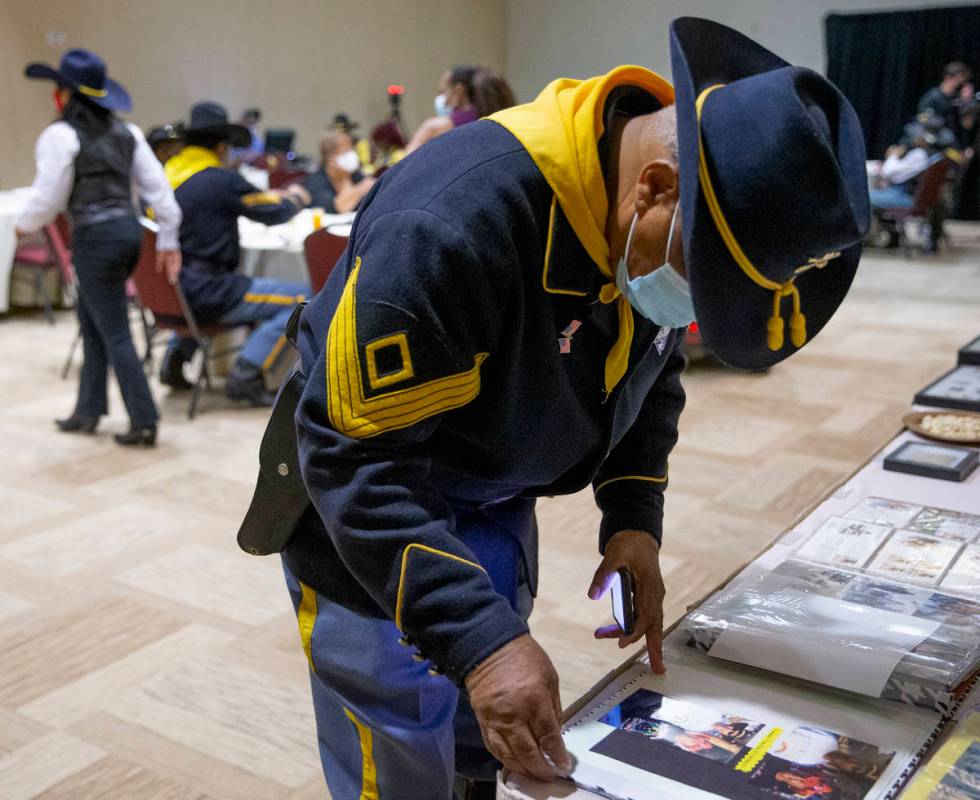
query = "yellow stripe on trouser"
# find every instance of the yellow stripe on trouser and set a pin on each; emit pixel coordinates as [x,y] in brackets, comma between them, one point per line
[369,773]
[274,299]
[273,354]
[306,617]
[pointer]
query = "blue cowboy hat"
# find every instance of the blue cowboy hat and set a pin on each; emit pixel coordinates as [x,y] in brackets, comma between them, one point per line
[774,193]
[85,73]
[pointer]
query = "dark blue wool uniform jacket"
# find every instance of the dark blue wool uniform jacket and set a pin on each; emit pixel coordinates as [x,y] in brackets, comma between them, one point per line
[435,381]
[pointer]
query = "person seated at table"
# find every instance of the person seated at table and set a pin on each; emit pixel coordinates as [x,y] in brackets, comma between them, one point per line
[465,95]
[166,141]
[212,198]
[338,186]
[926,140]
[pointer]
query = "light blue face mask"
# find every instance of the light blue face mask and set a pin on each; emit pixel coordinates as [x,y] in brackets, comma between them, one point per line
[662,296]
[441,106]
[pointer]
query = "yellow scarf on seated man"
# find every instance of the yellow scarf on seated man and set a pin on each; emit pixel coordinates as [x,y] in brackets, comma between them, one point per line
[188,162]
[561,130]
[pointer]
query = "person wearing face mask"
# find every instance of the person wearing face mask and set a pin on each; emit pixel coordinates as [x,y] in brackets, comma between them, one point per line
[338,186]
[212,199]
[465,95]
[506,323]
[87,165]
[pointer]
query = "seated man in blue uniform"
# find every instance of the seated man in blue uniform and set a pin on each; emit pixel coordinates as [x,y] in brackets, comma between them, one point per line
[505,324]
[212,199]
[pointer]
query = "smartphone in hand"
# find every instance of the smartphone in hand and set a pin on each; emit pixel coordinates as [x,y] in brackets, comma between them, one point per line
[621,592]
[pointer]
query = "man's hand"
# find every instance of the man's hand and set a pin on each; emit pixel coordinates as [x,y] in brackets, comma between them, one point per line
[514,694]
[638,552]
[169,262]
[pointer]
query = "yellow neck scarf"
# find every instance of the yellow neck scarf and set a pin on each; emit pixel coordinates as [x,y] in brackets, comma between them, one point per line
[188,162]
[561,130]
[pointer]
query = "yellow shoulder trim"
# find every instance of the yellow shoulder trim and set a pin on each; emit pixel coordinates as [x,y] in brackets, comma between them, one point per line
[649,479]
[261,199]
[547,255]
[401,577]
[354,415]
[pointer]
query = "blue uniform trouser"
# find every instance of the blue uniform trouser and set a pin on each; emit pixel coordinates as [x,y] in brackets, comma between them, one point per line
[891,197]
[268,302]
[386,727]
[104,255]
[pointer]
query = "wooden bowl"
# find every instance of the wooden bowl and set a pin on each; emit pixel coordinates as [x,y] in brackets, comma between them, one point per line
[914,423]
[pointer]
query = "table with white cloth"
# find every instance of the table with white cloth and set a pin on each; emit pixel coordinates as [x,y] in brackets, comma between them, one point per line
[871,480]
[12,203]
[276,251]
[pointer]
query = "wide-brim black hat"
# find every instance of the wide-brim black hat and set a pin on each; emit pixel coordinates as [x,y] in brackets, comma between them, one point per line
[85,73]
[212,118]
[774,194]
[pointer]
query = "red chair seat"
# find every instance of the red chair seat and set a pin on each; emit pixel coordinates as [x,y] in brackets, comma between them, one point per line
[36,256]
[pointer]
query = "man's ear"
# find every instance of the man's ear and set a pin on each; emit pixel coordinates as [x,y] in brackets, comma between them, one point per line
[658,184]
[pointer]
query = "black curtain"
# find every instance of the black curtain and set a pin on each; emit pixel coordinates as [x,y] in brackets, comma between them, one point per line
[884,62]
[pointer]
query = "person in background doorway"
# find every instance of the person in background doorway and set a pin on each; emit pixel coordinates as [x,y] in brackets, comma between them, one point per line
[465,95]
[212,199]
[338,186]
[166,141]
[87,164]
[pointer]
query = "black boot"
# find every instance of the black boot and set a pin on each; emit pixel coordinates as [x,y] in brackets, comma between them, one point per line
[245,383]
[172,370]
[77,424]
[145,436]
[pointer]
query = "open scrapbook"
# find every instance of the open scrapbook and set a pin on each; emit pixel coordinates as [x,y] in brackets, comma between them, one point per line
[824,675]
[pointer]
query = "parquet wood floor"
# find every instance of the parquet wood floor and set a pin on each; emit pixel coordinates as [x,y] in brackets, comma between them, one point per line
[142,656]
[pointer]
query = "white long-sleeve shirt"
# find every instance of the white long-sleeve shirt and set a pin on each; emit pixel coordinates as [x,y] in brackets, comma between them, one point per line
[55,153]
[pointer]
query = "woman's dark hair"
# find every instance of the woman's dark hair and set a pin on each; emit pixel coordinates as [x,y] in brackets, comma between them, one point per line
[463,73]
[491,93]
[86,115]
[205,139]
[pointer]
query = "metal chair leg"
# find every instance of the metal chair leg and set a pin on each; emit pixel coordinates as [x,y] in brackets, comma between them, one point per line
[43,292]
[203,377]
[71,354]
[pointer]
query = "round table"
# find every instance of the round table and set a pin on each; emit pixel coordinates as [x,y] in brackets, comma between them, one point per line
[12,203]
[276,251]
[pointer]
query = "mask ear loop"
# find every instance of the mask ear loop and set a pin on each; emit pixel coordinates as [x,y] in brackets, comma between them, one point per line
[670,234]
[629,243]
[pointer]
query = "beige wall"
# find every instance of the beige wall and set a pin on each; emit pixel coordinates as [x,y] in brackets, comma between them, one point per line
[578,38]
[300,61]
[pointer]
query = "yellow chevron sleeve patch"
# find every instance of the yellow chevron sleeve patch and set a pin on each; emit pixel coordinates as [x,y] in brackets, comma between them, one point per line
[359,417]
[261,199]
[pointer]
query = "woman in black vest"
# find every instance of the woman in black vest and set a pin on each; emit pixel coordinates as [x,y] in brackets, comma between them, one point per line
[87,164]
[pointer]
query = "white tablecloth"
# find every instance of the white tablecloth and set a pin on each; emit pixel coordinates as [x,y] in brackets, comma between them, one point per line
[11,203]
[277,251]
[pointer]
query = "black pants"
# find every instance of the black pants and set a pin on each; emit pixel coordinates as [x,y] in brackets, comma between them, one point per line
[104,255]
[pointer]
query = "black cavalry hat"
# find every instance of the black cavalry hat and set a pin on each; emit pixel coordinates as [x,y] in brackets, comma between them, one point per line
[208,117]
[85,73]
[774,193]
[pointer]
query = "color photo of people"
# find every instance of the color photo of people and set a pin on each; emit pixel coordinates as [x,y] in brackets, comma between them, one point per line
[750,758]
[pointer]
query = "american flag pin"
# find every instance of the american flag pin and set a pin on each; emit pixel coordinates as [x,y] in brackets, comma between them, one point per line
[570,329]
[564,345]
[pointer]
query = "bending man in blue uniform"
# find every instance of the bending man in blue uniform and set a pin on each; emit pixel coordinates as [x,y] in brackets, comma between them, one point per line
[506,323]
[212,198]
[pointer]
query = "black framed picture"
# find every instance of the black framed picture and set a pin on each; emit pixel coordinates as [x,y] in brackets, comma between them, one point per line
[958,388]
[970,353]
[932,460]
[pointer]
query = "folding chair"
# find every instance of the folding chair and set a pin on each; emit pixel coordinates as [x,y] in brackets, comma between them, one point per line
[927,205]
[285,176]
[323,250]
[42,255]
[172,312]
